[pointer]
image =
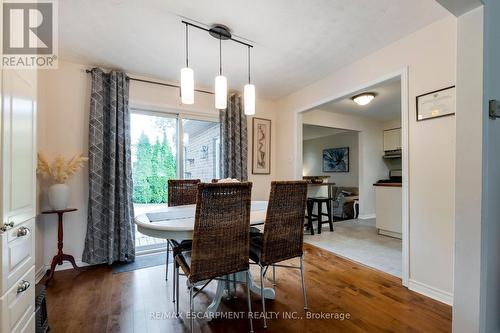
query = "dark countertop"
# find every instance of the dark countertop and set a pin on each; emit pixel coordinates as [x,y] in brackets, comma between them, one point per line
[389,184]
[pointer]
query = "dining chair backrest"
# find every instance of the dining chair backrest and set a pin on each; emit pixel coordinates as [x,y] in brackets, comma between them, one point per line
[284,227]
[221,230]
[182,192]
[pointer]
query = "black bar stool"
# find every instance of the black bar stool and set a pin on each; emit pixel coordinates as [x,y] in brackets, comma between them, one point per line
[319,201]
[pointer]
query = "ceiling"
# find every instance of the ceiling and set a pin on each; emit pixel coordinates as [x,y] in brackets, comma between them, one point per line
[385,106]
[296,42]
[310,132]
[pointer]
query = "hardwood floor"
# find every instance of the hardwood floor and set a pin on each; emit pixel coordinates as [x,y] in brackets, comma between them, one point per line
[98,301]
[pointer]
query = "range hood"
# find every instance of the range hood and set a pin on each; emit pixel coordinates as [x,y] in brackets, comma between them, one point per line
[392,153]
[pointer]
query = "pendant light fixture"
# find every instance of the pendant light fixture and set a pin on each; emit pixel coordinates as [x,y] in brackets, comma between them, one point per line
[249,93]
[220,84]
[187,78]
[221,32]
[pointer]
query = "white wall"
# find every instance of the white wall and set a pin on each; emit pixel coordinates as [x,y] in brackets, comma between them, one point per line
[64,96]
[313,157]
[430,56]
[370,144]
[63,105]
[469,163]
[490,261]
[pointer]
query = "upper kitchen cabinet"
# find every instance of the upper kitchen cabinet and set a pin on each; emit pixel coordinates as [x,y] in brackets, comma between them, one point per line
[392,139]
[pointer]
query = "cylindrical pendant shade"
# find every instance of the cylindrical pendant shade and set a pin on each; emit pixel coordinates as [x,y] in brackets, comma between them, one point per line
[249,99]
[220,92]
[187,86]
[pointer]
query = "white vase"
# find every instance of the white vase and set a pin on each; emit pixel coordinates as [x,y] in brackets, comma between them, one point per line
[58,196]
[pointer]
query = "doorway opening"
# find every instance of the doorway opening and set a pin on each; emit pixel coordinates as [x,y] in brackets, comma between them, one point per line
[363,150]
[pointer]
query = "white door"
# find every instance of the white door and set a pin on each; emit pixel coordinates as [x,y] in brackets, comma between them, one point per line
[17,204]
[18,145]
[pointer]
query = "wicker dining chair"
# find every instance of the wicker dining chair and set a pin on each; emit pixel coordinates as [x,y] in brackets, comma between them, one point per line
[220,239]
[180,192]
[283,234]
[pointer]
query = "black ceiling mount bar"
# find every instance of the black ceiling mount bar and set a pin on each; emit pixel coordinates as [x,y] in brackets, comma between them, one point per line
[217,31]
[160,83]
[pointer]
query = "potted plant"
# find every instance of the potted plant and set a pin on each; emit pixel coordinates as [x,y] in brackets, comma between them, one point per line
[59,172]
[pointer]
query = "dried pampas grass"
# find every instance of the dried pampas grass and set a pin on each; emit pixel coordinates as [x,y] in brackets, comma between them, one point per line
[60,170]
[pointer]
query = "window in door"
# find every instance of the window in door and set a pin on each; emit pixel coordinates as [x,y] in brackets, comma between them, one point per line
[201,146]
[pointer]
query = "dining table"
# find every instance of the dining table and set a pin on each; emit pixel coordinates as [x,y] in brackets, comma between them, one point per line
[178,223]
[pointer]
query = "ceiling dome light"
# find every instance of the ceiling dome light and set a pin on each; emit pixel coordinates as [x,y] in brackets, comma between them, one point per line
[364,98]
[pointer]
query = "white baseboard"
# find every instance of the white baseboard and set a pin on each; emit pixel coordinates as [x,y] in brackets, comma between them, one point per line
[434,293]
[366,216]
[40,273]
[67,265]
[390,233]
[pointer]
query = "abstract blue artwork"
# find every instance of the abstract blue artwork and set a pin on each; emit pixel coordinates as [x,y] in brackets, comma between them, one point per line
[336,160]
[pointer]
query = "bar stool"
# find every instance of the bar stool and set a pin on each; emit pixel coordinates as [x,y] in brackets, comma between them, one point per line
[319,201]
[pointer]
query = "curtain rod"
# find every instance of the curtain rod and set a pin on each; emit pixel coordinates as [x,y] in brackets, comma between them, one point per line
[159,83]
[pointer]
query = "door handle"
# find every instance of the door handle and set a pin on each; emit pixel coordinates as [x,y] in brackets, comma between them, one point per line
[7,225]
[23,286]
[23,231]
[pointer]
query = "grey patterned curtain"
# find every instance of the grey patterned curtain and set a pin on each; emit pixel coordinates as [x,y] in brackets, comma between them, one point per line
[233,133]
[110,224]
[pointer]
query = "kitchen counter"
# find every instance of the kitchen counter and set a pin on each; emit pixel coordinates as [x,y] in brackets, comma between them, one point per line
[388,206]
[389,184]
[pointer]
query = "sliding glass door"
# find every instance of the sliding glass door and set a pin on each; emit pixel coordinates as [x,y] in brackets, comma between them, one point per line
[169,146]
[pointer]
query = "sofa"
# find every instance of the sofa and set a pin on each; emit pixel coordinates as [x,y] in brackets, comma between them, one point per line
[343,201]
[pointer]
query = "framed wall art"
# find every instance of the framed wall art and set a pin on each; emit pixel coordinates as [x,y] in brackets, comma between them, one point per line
[261,146]
[336,159]
[439,103]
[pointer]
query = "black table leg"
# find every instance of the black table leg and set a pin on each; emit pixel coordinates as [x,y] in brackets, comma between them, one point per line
[309,204]
[330,219]
[320,215]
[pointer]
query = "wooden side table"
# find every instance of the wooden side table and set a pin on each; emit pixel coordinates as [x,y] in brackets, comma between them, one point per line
[60,256]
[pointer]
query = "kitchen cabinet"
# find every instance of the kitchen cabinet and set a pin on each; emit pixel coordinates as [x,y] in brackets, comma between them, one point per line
[392,139]
[388,205]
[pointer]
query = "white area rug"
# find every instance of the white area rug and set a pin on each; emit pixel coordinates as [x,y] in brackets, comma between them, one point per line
[358,240]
